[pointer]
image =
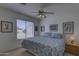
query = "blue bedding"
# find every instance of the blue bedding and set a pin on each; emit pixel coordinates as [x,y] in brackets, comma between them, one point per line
[44,46]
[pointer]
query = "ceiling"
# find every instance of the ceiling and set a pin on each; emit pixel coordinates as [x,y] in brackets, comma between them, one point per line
[29,8]
[26,9]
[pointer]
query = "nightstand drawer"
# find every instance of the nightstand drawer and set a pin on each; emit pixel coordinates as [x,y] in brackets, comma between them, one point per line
[72,49]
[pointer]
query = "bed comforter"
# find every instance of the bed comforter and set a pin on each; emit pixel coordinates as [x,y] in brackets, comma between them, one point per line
[44,46]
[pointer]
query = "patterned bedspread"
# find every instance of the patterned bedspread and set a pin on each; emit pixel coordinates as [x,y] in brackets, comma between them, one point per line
[44,46]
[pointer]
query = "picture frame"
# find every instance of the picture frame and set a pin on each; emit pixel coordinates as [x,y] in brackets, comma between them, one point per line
[42,28]
[36,28]
[53,27]
[68,27]
[6,27]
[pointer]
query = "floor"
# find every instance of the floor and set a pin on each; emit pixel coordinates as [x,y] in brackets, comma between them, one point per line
[19,52]
[23,52]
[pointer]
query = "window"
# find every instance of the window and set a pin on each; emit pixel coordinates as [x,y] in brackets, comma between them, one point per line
[25,29]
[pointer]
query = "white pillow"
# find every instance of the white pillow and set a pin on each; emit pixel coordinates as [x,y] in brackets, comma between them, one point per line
[57,35]
[48,34]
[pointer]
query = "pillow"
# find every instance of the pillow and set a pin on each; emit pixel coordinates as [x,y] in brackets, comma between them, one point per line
[46,34]
[57,35]
[53,35]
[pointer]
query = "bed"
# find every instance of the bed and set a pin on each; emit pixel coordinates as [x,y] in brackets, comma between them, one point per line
[48,45]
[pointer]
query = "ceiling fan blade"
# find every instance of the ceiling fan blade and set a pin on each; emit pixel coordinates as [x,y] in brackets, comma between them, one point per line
[34,12]
[48,12]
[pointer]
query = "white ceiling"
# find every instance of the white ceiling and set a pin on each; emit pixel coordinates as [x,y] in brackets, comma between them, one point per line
[29,8]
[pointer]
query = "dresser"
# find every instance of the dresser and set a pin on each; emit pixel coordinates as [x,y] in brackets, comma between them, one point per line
[72,48]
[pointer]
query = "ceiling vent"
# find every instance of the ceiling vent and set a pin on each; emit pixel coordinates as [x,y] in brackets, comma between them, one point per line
[23,4]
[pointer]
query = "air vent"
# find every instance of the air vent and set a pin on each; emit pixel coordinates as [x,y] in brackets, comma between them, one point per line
[23,3]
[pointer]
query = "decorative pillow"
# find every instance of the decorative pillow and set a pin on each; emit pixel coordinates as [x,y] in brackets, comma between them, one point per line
[57,35]
[53,35]
[46,34]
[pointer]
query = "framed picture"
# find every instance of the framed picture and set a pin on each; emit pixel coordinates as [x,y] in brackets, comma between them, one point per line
[54,27]
[68,27]
[42,28]
[6,26]
[36,28]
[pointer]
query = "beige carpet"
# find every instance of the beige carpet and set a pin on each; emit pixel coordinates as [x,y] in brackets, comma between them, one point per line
[20,52]
[23,52]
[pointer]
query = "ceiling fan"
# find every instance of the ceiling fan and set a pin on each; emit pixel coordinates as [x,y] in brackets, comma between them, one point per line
[42,13]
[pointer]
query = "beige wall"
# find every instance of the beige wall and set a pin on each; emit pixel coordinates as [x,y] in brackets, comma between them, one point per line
[9,40]
[63,13]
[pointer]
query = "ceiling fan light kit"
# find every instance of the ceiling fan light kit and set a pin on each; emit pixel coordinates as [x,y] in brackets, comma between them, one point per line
[41,16]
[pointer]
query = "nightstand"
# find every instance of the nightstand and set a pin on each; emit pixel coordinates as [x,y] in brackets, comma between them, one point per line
[72,48]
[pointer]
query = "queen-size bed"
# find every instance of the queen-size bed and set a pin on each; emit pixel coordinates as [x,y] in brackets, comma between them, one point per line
[46,45]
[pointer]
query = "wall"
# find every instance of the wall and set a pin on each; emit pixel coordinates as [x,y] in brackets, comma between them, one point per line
[63,13]
[9,40]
